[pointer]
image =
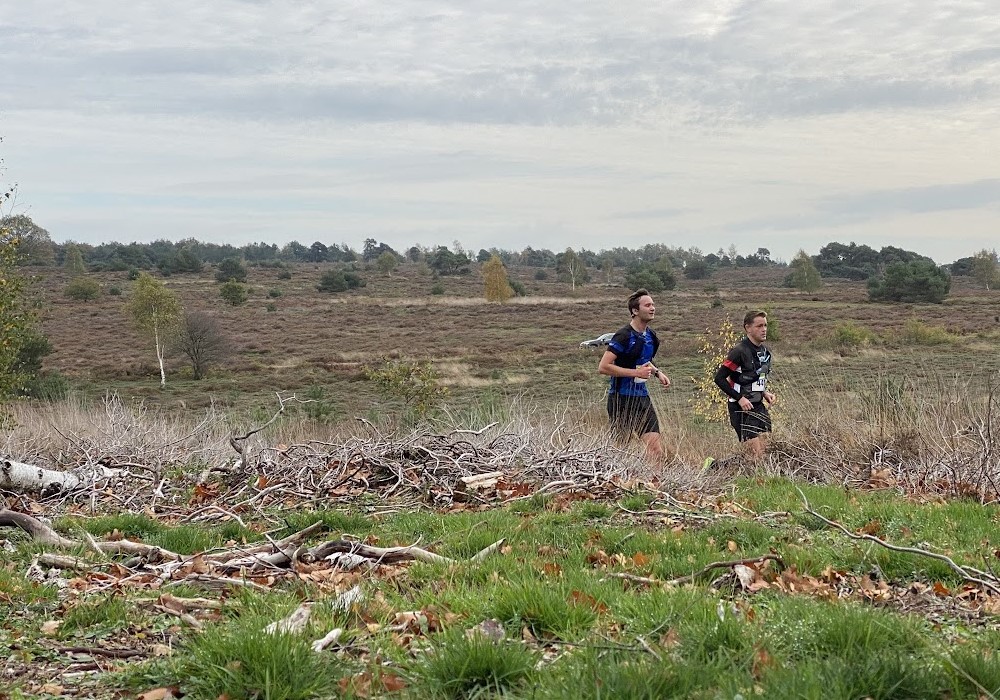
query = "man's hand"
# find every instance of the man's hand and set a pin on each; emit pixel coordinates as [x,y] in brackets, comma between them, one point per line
[644,372]
[745,403]
[664,379]
[770,398]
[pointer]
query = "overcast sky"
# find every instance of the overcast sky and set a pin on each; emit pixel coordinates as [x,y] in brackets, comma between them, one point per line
[760,123]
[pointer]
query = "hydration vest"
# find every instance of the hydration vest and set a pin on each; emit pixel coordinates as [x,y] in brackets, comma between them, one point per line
[633,350]
[753,373]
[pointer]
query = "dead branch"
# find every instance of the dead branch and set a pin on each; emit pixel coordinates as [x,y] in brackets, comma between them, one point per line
[59,561]
[390,555]
[186,617]
[173,601]
[294,623]
[39,531]
[332,637]
[98,651]
[968,574]
[691,578]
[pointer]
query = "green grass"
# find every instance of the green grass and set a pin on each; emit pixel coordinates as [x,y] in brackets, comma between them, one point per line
[572,629]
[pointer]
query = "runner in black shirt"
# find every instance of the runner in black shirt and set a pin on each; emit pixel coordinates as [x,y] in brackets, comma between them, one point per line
[743,378]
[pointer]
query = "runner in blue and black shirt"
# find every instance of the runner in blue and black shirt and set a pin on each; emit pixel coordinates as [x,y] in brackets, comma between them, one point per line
[629,362]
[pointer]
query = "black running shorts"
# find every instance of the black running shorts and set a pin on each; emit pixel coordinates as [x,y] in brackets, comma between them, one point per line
[632,414]
[749,424]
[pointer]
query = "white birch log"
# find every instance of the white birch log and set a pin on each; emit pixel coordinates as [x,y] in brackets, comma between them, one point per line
[20,477]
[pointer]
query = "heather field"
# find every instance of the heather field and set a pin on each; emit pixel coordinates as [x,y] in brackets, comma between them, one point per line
[498,544]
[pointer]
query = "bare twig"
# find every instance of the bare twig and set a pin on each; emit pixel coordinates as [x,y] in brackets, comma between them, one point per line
[967,573]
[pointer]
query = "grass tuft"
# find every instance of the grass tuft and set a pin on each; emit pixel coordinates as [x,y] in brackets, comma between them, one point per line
[241,662]
[458,666]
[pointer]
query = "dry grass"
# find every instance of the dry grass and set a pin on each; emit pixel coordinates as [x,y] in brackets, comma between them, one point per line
[526,355]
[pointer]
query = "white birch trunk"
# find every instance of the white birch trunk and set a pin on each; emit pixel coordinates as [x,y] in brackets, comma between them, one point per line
[159,356]
[20,478]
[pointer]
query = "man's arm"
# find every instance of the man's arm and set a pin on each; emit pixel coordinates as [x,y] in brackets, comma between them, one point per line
[608,368]
[730,370]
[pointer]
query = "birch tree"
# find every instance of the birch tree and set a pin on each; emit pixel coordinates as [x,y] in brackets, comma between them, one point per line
[156,312]
[495,284]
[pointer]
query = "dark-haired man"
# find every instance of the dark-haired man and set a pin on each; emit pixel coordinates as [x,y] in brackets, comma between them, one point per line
[743,378]
[629,362]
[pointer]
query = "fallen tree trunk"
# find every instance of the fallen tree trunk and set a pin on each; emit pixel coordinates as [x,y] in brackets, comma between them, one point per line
[21,477]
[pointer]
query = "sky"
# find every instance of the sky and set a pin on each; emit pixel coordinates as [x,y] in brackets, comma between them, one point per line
[754,123]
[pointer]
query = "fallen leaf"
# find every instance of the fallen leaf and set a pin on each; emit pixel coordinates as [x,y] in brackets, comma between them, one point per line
[551,569]
[50,627]
[941,590]
[732,546]
[52,689]
[392,683]
[167,693]
[745,574]
[640,559]
[581,598]
[872,527]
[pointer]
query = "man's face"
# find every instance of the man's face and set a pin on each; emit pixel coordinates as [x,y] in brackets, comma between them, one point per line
[646,309]
[757,331]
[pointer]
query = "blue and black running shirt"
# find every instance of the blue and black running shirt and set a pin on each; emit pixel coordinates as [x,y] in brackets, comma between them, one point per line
[632,349]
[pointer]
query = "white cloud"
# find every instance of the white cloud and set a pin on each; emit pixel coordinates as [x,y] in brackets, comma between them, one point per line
[593,124]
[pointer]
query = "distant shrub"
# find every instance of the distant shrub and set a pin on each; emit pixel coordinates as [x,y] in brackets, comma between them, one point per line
[133,274]
[916,281]
[716,302]
[916,332]
[82,288]
[654,278]
[852,337]
[115,291]
[231,269]
[437,289]
[416,384]
[234,293]
[541,275]
[274,293]
[335,281]
[518,286]
[773,325]
[285,275]
[271,308]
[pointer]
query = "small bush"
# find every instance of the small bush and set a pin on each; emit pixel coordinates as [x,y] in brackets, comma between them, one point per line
[230,270]
[340,281]
[49,387]
[414,383]
[133,274]
[916,281]
[541,275]
[274,293]
[851,336]
[234,293]
[82,288]
[115,291]
[285,275]
[271,308]
[709,403]
[917,332]
[437,289]
[518,286]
